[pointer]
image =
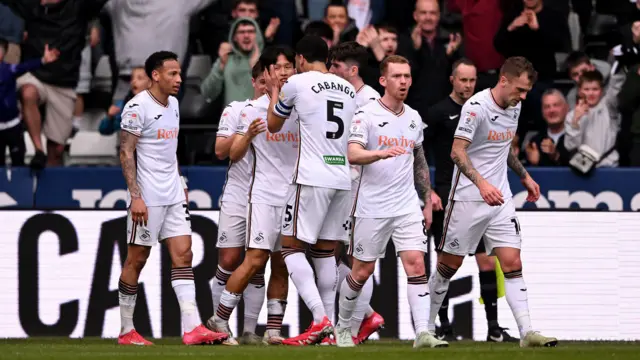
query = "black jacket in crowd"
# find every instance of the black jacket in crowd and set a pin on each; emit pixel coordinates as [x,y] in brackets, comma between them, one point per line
[545,159]
[64,27]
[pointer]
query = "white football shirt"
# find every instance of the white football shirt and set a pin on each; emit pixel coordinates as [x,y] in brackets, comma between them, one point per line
[157,127]
[274,155]
[236,185]
[490,129]
[387,187]
[364,95]
[325,104]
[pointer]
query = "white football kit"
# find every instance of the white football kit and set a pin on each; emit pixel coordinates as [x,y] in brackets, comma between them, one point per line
[490,129]
[320,196]
[273,159]
[387,204]
[157,128]
[233,207]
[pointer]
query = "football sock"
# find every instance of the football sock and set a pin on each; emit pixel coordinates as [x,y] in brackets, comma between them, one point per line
[324,263]
[489,293]
[361,306]
[127,295]
[349,292]
[443,313]
[228,302]
[185,289]
[253,299]
[275,313]
[419,301]
[343,271]
[438,287]
[302,276]
[218,285]
[516,293]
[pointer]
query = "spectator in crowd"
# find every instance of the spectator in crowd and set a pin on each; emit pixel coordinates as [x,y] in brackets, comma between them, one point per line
[141,28]
[595,121]
[578,63]
[12,30]
[321,29]
[628,52]
[11,132]
[62,24]
[629,103]
[336,16]
[431,56]
[85,75]
[547,148]
[139,82]
[364,13]
[232,69]
[381,41]
[480,22]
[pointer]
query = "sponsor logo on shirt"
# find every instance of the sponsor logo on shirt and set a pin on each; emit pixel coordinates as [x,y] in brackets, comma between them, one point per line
[393,141]
[168,134]
[500,135]
[469,117]
[334,159]
[283,137]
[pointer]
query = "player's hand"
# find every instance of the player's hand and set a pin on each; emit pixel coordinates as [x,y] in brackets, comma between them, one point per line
[139,213]
[271,79]
[223,54]
[427,213]
[490,194]
[272,28]
[391,152]
[113,111]
[533,154]
[518,22]
[257,126]
[532,19]
[436,201]
[416,37]
[454,43]
[533,189]
[50,55]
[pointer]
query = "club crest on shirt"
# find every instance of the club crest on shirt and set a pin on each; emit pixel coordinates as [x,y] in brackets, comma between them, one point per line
[515,114]
[413,126]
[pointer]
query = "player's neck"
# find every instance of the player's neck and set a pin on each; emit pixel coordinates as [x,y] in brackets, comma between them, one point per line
[357,82]
[317,66]
[159,95]
[392,103]
[457,99]
[498,99]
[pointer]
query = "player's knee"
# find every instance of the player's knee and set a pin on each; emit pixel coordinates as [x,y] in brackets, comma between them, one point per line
[485,263]
[452,261]
[182,258]
[256,260]
[135,262]
[511,264]
[414,265]
[29,94]
[362,271]
[228,259]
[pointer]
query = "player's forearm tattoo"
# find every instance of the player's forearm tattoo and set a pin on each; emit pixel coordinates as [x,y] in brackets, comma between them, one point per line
[516,165]
[421,175]
[127,148]
[461,159]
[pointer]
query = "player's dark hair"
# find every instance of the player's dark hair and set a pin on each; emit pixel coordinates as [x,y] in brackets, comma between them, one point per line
[236,3]
[392,59]
[313,49]
[576,58]
[4,44]
[156,61]
[270,55]
[591,76]
[335,3]
[461,61]
[319,28]
[349,52]
[256,70]
[515,66]
[387,28]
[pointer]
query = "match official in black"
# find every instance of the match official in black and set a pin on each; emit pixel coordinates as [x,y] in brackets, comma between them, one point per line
[442,120]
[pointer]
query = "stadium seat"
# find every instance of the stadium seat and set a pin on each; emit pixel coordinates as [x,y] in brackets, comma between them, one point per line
[92,148]
[199,68]
[601,36]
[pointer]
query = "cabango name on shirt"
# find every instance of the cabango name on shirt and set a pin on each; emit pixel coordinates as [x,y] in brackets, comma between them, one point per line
[333,86]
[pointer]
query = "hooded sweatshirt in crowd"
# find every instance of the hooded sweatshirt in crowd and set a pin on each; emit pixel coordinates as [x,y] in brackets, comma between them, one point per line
[235,78]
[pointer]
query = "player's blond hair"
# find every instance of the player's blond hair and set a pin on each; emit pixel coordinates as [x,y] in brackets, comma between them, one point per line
[392,59]
[515,66]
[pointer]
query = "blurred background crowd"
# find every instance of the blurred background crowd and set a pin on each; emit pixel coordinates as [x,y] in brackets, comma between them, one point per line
[68,66]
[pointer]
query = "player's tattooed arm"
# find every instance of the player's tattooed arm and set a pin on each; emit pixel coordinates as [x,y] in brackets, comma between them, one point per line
[461,159]
[128,143]
[421,175]
[516,165]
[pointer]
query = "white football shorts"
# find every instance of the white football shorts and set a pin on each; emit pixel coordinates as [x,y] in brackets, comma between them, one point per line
[232,225]
[263,227]
[467,222]
[164,222]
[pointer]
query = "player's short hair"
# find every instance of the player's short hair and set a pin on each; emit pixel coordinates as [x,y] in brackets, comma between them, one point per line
[256,70]
[515,66]
[576,58]
[319,28]
[270,56]
[591,76]
[349,52]
[461,61]
[335,3]
[392,59]
[236,3]
[156,60]
[4,44]
[387,28]
[312,49]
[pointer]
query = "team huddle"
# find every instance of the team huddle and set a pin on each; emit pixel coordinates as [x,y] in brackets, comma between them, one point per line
[322,165]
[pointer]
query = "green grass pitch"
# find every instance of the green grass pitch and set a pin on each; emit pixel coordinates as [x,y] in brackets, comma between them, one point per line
[63,348]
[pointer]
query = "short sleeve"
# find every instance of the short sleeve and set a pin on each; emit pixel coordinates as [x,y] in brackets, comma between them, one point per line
[468,123]
[359,132]
[287,97]
[246,116]
[228,122]
[132,118]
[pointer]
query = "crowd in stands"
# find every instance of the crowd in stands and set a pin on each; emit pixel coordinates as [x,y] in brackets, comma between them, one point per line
[68,66]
